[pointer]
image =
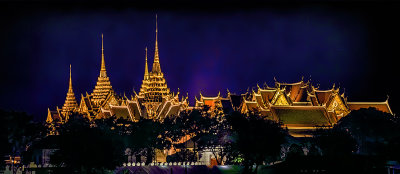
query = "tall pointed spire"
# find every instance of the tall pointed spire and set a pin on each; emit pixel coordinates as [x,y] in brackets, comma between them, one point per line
[146,69]
[156,58]
[70,80]
[103,86]
[154,86]
[103,72]
[70,102]
[156,63]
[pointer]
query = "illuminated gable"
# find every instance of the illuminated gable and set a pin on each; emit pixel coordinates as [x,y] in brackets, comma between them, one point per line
[338,106]
[281,100]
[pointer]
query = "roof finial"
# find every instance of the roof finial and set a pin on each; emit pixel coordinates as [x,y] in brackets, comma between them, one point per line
[156,64]
[156,57]
[146,69]
[103,64]
[70,79]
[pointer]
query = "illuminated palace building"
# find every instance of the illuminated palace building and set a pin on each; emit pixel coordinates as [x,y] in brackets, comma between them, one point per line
[300,106]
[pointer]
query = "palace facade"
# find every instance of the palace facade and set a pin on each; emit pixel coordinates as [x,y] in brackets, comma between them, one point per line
[300,106]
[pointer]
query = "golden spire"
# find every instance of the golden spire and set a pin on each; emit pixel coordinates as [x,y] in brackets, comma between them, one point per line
[103,86]
[103,64]
[70,101]
[156,63]
[156,58]
[146,69]
[70,79]
[154,86]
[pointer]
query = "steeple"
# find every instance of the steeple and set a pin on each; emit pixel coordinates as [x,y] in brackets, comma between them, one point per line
[146,69]
[103,72]
[154,86]
[156,63]
[103,86]
[70,101]
[70,80]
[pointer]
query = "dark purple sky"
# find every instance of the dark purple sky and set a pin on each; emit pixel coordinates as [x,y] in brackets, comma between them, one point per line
[202,48]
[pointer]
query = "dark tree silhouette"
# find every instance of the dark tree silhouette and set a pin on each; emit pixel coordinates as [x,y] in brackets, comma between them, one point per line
[17,132]
[145,137]
[374,131]
[256,138]
[87,148]
[335,142]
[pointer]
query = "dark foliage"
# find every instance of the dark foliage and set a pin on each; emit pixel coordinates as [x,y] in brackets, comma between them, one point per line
[335,143]
[83,147]
[17,132]
[257,139]
[375,132]
[361,142]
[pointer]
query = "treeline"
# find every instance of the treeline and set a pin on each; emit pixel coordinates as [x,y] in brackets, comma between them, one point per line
[233,139]
[362,142]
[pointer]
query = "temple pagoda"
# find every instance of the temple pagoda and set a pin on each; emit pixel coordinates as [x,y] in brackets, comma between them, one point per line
[60,116]
[103,86]
[154,86]
[103,94]
[154,100]
[70,103]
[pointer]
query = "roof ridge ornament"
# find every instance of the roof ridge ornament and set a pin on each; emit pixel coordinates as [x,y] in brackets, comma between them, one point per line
[146,69]
[103,64]
[70,79]
[156,63]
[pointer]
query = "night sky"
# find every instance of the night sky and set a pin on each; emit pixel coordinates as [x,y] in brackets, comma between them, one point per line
[203,47]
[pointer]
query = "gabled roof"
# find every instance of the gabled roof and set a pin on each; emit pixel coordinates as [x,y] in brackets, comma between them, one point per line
[297,90]
[277,97]
[323,96]
[120,112]
[381,106]
[85,101]
[103,114]
[173,110]
[165,108]
[259,100]
[236,101]
[302,116]
[247,106]
[53,117]
[134,109]
[267,94]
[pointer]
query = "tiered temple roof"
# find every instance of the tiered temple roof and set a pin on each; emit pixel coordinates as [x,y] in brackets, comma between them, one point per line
[300,106]
[103,87]
[381,106]
[154,86]
[103,94]
[154,100]
[70,103]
